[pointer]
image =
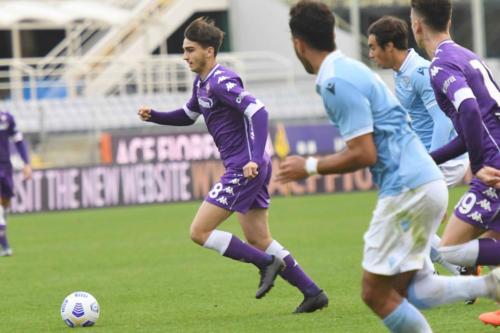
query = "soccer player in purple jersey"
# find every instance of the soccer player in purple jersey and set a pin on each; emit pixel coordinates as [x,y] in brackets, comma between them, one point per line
[239,125]
[466,91]
[8,131]
[412,197]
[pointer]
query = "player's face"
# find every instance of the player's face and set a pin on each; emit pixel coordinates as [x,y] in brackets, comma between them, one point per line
[381,56]
[300,49]
[195,55]
[416,27]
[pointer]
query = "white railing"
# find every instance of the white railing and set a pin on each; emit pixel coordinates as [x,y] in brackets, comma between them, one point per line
[23,79]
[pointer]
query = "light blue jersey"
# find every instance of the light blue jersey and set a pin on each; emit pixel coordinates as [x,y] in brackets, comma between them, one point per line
[358,102]
[415,93]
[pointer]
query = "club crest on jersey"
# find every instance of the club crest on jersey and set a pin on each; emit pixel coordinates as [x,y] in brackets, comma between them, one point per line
[205,102]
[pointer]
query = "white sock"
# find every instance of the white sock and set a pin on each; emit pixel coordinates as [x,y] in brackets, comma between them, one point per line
[277,250]
[428,290]
[3,216]
[436,257]
[218,241]
[462,254]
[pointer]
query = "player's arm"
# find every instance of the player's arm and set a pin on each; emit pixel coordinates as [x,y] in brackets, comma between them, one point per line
[452,149]
[180,117]
[443,127]
[230,91]
[351,112]
[452,83]
[185,116]
[17,138]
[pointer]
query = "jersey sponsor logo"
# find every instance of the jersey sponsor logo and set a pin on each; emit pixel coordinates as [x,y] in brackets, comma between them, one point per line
[205,102]
[421,71]
[241,96]
[435,70]
[447,83]
[230,85]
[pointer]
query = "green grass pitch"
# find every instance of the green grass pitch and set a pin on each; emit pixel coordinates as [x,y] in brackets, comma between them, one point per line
[149,277]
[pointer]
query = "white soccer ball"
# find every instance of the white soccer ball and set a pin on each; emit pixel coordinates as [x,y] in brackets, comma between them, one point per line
[80,309]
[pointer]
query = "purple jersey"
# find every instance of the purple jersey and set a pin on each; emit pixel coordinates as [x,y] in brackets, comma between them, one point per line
[227,109]
[7,131]
[457,75]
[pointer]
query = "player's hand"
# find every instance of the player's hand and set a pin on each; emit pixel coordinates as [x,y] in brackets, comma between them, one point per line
[144,113]
[27,171]
[291,169]
[489,176]
[250,170]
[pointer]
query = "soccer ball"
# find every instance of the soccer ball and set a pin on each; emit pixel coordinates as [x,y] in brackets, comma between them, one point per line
[80,309]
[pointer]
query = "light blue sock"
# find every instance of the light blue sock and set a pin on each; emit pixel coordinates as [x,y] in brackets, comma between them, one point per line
[427,290]
[406,319]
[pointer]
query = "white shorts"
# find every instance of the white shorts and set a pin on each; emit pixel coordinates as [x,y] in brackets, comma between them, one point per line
[399,237]
[454,171]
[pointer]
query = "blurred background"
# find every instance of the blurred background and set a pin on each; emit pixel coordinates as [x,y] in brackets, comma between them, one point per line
[74,72]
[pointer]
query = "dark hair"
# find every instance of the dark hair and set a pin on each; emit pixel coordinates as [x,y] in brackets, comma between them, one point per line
[435,13]
[204,32]
[390,29]
[313,22]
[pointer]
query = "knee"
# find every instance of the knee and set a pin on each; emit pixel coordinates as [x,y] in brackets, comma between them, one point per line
[369,296]
[198,235]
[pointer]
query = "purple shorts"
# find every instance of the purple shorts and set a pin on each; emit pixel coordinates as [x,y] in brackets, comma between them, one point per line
[6,184]
[480,206]
[239,194]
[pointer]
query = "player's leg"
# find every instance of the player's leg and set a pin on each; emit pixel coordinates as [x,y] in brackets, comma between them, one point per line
[397,244]
[454,172]
[6,249]
[460,245]
[428,290]
[6,192]
[203,232]
[437,258]
[256,229]
[399,315]
[234,193]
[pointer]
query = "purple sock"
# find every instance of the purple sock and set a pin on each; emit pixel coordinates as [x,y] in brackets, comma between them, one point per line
[3,237]
[239,250]
[489,252]
[294,274]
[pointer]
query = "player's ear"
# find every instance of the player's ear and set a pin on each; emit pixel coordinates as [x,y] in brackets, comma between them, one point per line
[389,46]
[299,45]
[210,52]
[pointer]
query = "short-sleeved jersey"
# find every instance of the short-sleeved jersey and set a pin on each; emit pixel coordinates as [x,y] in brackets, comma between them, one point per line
[8,131]
[414,92]
[457,74]
[358,102]
[227,108]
